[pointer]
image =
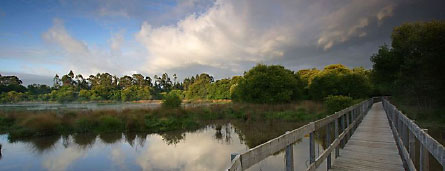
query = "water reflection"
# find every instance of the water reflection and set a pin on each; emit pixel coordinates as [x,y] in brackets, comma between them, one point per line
[208,148]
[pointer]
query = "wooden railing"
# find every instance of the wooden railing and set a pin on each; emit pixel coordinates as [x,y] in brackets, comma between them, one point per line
[406,131]
[344,122]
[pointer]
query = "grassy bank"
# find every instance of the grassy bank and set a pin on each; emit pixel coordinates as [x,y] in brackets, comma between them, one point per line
[41,123]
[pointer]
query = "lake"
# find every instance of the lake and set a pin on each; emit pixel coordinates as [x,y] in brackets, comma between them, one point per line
[208,148]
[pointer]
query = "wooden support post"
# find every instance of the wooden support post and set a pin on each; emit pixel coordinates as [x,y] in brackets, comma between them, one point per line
[412,147]
[328,143]
[342,121]
[406,136]
[347,126]
[311,148]
[424,157]
[290,158]
[337,149]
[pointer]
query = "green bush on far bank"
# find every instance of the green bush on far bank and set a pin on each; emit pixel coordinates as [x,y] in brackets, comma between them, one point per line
[171,100]
[336,103]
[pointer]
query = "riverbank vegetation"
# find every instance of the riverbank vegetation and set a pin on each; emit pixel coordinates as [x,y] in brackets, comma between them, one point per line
[40,123]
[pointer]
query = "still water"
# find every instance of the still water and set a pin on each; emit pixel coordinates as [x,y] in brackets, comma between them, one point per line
[208,148]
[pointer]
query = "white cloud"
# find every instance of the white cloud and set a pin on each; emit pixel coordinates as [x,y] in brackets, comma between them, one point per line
[90,59]
[219,38]
[58,35]
[232,33]
[63,159]
[198,152]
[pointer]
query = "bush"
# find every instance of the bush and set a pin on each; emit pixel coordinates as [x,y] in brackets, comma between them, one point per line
[337,103]
[171,100]
[337,79]
[42,124]
[267,84]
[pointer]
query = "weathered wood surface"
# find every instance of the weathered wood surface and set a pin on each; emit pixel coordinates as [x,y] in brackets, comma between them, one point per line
[372,146]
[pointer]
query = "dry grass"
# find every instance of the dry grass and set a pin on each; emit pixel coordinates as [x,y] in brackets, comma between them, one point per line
[28,123]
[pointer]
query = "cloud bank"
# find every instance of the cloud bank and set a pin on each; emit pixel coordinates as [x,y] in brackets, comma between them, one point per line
[233,35]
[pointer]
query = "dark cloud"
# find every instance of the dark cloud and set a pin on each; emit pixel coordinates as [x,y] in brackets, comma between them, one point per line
[233,36]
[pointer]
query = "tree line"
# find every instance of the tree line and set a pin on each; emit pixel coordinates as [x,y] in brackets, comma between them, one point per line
[261,84]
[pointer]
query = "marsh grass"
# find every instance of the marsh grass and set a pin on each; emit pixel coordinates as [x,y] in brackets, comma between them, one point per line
[42,123]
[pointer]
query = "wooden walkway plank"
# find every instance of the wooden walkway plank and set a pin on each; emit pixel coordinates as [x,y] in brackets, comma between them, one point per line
[372,146]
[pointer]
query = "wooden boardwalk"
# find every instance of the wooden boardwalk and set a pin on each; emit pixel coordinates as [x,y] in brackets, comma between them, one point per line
[372,146]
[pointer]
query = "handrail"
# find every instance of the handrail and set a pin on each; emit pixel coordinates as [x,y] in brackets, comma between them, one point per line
[347,118]
[406,131]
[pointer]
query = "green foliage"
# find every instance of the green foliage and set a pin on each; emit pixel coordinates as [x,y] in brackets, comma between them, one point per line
[220,89]
[179,93]
[64,94]
[295,116]
[11,83]
[412,67]
[12,97]
[200,88]
[84,95]
[339,80]
[171,100]
[134,92]
[109,123]
[267,84]
[337,103]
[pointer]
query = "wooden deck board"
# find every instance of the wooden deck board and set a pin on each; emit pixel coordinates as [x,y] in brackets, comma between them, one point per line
[371,147]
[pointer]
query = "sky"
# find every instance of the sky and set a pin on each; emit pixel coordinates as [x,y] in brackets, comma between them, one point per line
[41,38]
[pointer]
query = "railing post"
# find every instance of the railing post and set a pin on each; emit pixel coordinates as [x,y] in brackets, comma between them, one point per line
[424,157]
[290,158]
[328,143]
[342,121]
[347,126]
[406,135]
[337,149]
[311,148]
[412,147]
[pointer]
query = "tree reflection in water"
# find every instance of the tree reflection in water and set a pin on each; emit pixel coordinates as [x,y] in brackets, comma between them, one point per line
[84,140]
[110,138]
[39,144]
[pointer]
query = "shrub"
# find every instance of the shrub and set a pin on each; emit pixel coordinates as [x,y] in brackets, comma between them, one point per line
[171,100]
[42,124]
[337,103]
[267,84]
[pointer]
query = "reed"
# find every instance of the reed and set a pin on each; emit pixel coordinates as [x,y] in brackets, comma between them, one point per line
[41,123]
